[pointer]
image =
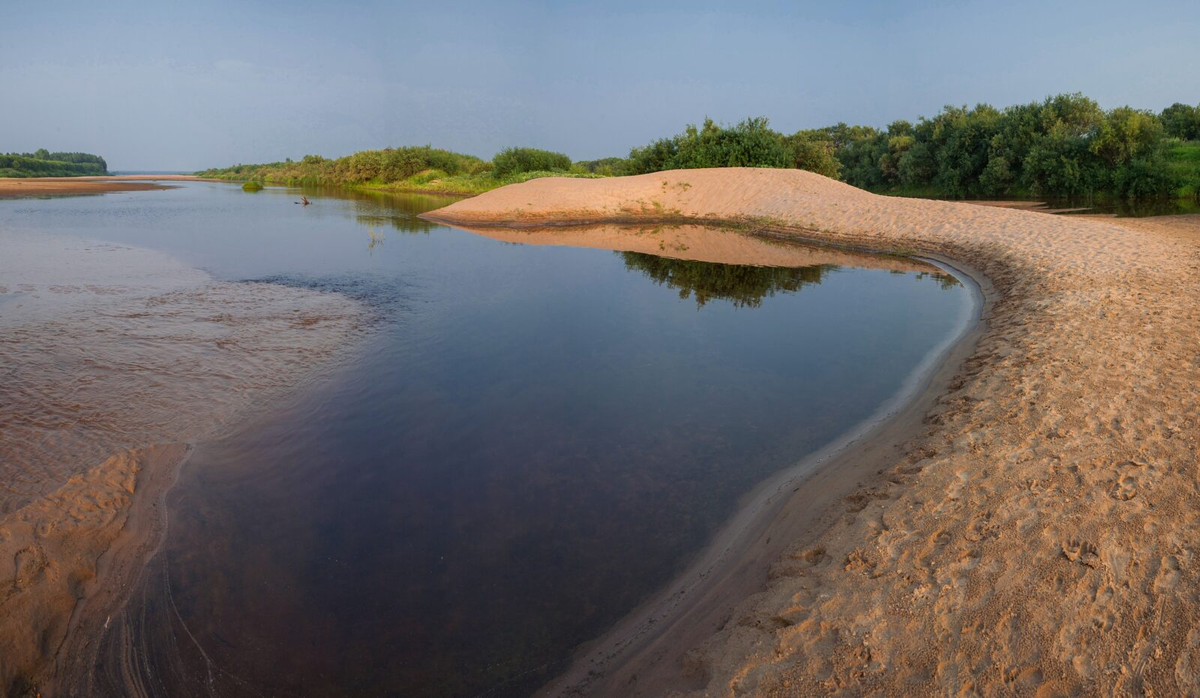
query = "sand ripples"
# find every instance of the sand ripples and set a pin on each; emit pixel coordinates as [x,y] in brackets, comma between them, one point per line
[135,350]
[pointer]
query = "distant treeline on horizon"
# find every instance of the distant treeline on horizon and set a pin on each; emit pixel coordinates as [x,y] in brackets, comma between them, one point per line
[1063,146]
[43,163]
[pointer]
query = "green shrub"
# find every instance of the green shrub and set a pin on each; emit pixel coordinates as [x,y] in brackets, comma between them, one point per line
[513,161]
[606,167]
[1182,121]
[750,143]
[252,187]
[812,151]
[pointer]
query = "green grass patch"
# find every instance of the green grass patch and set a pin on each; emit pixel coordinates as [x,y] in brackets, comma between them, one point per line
[1183,160]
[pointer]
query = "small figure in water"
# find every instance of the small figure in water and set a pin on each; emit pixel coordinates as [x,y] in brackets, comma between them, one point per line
[303,200]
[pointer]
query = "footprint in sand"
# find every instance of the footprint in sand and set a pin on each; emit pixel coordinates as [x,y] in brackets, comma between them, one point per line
[1081,551]
[1169,571]
[813,556]
[1125,489]
[28,563]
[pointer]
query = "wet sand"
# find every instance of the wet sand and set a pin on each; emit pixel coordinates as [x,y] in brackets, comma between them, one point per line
[1032,529]
[11,187]
[114,360]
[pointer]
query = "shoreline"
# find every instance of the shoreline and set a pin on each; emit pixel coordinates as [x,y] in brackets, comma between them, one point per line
[628,658]
[119,567]
[88,476]
[644,653]
[1040,517]
[349,186]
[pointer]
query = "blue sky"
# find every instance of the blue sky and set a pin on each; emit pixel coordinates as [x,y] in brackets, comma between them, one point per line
[182,86]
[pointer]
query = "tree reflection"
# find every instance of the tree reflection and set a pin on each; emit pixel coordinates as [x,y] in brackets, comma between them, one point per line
[743,285]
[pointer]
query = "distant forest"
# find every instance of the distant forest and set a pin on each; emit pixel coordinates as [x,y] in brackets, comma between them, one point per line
[1063,146]
[43,163]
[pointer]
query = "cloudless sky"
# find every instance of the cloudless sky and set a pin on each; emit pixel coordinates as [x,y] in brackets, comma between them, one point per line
[187,85]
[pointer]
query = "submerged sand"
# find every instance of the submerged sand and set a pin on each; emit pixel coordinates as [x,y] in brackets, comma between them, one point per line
[1034,534]
[114,359]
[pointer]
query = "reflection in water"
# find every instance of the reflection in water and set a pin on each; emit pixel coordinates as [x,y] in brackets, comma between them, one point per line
[742,285]
[376,239]
[946,281]
[531,442]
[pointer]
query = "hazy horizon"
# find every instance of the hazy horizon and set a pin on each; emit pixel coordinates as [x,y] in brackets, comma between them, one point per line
[162,87]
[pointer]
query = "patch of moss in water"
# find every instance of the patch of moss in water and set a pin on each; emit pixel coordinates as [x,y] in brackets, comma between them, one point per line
[252,187]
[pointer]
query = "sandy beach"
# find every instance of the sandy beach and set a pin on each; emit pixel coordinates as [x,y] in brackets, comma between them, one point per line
[11,187]
[1027,527]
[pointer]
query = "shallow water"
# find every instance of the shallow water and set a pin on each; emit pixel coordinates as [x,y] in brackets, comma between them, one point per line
[530,441]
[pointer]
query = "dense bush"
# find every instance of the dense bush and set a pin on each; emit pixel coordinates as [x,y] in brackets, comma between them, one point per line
[750,143]
[605,167]
[379,166]
[1182,121]
[812,151]
[1064,146]
[513,161]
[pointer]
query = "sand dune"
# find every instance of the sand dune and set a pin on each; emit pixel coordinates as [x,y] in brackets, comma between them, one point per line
[1038,533]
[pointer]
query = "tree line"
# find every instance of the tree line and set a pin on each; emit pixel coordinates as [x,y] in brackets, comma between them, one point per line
[413,167]
[1063,146]
[43,163]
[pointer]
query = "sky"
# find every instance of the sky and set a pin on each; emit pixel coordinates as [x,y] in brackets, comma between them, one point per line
[188,85]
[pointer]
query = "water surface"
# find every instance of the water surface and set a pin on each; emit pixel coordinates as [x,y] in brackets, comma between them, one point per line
[531,441]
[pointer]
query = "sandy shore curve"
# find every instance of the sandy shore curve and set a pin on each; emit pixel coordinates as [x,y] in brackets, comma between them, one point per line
[1036,531]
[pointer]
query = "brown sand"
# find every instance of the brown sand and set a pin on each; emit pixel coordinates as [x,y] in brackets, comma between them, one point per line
[1035,533]
[105,350]
[66,186]
[70,557]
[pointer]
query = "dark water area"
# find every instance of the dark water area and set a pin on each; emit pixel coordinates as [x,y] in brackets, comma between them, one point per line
[1121,208]
[1132,209]
[530,441]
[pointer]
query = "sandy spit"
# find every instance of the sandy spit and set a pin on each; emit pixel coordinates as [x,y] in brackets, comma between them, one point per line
[65,186]
[1036,530]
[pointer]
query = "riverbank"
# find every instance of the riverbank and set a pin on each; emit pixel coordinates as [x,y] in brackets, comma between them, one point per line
[1034,530]
[68,186]
[116,360]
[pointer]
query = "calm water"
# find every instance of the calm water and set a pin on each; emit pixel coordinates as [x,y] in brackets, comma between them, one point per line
[531,440]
